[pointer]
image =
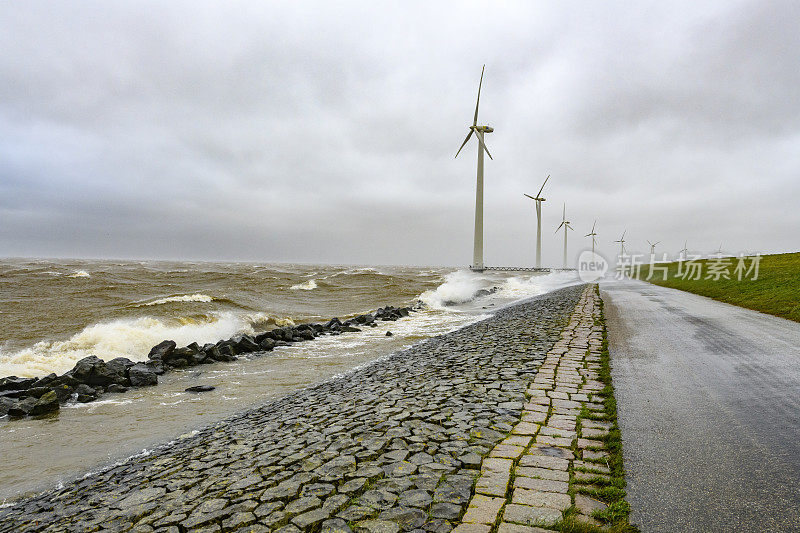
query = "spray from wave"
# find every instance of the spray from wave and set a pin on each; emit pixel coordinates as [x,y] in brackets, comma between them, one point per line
[131,338]
[307,286]
[79,274]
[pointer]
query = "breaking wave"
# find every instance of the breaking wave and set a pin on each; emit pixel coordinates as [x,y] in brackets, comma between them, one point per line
[79,274]
[131,338]
[186,298]
[306,286]
[463,286]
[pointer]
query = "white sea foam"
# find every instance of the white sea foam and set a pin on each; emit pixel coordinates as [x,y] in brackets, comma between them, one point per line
[204,298]
[79,274]
[131,338]
[307,286]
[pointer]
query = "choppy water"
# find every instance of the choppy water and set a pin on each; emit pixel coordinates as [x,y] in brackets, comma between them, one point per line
[53,313]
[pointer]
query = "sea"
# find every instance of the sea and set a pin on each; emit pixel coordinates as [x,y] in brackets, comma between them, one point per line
[55,312]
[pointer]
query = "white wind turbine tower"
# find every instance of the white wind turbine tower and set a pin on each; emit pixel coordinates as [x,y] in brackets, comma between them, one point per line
[621,241]
[684,253]
[565,224]
[652,250]
[592,235]
[477,248]
[538,199]
[719,251]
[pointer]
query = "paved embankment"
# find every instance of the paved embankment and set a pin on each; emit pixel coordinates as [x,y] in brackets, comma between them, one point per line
[397,444]
[556,453]
[709,407]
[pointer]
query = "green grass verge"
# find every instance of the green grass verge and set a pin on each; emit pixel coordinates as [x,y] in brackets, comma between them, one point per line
[775,292]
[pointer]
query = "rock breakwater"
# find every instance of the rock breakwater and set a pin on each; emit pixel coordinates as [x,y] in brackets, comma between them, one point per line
[396,445]
[92,377]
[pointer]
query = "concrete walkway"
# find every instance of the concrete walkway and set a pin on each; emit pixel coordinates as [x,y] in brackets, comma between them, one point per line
[709,407]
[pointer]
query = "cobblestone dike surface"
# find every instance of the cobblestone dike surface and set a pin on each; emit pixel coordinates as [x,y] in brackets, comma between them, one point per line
[394,446]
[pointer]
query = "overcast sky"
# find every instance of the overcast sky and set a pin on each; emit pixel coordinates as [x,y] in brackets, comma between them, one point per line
[325,131]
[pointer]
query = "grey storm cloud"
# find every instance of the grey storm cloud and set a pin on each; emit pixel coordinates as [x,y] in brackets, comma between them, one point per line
[325,132]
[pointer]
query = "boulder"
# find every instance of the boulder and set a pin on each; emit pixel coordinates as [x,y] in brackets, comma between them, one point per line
[267,344]
[85,393]
[185,353]
[22,407]
[156,365]
[162,349]
[5,405]
[120,365]
[64,392]
[225,353]
[45,381]
[83,368]
[35,392]
[389,334]
[15,383]
[200,388]
[349,328]
[116,388]
[303,334]
[46,404]
[247,344]
[333,323]
[104,375]
[142,375]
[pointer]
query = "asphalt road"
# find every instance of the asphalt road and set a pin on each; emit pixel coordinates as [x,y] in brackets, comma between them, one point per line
[709,407]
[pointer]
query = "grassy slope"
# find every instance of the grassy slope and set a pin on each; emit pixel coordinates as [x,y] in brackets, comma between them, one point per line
[776,291]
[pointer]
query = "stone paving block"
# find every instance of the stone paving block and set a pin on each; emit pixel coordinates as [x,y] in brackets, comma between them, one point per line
[587,505]
[548,440]
[589,432]
[538,498]
[585,477]
[534,417]
[592,466]
[544,485]
[506,527]
[589,454]
[471,528]
[504,450]
[544,461]
[530,516]
[536,407]
[543,473]
[552,451]
[557,432]
[589,443]
[483,510]
[525,428]
[517,440]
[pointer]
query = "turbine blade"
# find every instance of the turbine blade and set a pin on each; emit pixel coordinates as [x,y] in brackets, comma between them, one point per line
[593,225]
[559,227]
[465,141]
[475,120]
[623,234]
[538,194]
[529,196]
[480,140]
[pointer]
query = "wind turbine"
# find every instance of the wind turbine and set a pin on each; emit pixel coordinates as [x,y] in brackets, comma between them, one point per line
[653,247]
[622,243]
[719,251]
[593,235]
[479,131]
[538,199]
[684,253]
[565,223]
